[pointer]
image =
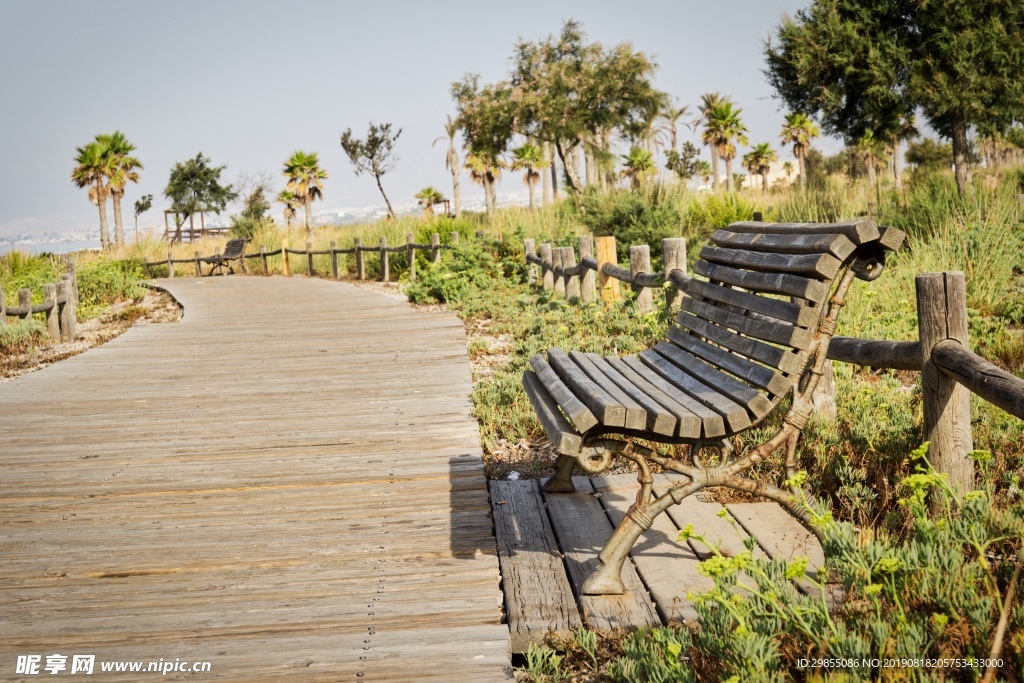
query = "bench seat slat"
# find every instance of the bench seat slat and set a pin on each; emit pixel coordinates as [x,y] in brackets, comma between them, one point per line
[659,419]
[766,330]
[560,433]
[839,246]
[773,283]
[727,385]
[574,409]
[735,415]
[857,231]
[783,359]
[824,266]
[758,375]
[804,316]
[636,416]
[608,411]
[689,423]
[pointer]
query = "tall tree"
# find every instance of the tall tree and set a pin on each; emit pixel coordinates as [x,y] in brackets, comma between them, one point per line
[529,159]
[673,116]
[684,162]
[375,155]
[637,166]
[305,181]
[485,172]
[427,198]
[723,127]
[290,201]
[451,162]
[758,161]
[865,65]
[93,166]
[709,101]
[799,130]
[194,186]
[124,169]
[142,206]
[486,116]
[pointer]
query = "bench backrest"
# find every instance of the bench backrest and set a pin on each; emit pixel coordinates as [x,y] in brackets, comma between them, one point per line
[234,248]
[747,329]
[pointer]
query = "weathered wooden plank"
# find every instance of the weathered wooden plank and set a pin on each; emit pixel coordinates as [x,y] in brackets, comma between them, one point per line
[560,433]
[875,353]
[804,316]
[783,359]
[659,419]
[636,415]
[891,238]
[772,283]
[823,266]
[737,391]
[538,597]
[685,407]
[573,407]
[704,516]
[602,404]
[858,231]
[582,529]
[983,378]
[778,333]
[839,246]
[758,375]
[735,415]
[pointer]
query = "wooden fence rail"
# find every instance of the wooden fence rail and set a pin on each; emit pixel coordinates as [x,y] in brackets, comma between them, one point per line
[59,301]
[383,250]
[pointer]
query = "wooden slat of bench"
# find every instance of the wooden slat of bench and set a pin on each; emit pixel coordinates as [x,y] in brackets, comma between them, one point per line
[783,359]
[659,419]
[712,422]
[775,283]
[779,333]
[560,433]
[636,415]
[735,415]
[739,392]
[538,597]
[758,375]
[609,411]
[858,231]
[820,265]
[689,424]
[580,415]
[804,316]
[839,246]
[582,529]
[891,238]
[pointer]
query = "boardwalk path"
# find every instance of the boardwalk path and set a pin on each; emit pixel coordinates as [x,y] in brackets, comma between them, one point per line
[286,483]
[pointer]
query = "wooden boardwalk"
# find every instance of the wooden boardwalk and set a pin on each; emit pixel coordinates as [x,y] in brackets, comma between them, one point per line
[286,484]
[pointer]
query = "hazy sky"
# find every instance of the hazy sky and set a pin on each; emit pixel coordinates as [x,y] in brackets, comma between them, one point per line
[247,83]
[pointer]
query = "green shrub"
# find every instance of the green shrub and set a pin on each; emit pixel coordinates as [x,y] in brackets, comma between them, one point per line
[31,271]
[103,281]
[21,336]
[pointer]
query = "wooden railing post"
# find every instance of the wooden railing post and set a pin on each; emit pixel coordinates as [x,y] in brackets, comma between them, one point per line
[410,251]
[454,238]
[3,309]
[572,282]
[673,252]
[942,315]
[25,301]
[384,270]
[170,265]
[640,262]
[263,257]
[360,265]
[547,277]
[479,235]
[334,259]
[606,253]
[588,279]
[286,263]
[309,259]
[435,247]
[556,262]
[199,268]
[68,316]
[530,249]
[71,270]
[52,322]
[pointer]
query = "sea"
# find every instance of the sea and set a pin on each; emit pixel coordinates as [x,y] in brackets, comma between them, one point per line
[55,247]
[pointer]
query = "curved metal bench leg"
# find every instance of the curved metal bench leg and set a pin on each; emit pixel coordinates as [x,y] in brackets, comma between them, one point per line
[562,481]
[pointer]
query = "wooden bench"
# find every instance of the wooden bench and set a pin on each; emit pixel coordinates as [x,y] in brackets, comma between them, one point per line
[234,250]
[755,327]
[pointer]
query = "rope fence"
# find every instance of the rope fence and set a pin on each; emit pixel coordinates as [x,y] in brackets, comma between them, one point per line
[58,305]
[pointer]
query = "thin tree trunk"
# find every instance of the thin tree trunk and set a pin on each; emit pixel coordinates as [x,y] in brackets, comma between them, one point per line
[869,161]
[800,154]
[391,214]
[714,168]
[453,159]
[588,157]
[552,157]
[571,173]
[488,196]
[118,225]
[545,181]
[531,184]
[728,174]
[101,204]
[896,165]
[961,149]
[764,182]
[309,223]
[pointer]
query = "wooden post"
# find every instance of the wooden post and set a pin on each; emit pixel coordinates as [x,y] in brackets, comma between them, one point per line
[640,262]
[334,259]
[942,315]
[286,264]
[410,251]
[3,309]
[241,262]
[384,272]
[454,238]
[588,288]
[608,286]
[572,282]
[170,265]
[68,317]
[52,323]
[435,247]
[479,235]
[199,268]
[547,277]
[871,212]
[263,257]
[556,262]
[309,259]
[673,251]
[758,217]
[530,248]
[71,269]
[360,266]
[25,301]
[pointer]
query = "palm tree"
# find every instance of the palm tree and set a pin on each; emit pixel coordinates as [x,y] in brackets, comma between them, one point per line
[703,169]
[529,158]
[305,181]
[123,170]
[758,162]
[93,167]
[722,127]
[870,148]
[451,162]
[428,197]
[485,172]
[799,130]
[787,168]
[637,165]
[709,101]
[288,198]
[672,116]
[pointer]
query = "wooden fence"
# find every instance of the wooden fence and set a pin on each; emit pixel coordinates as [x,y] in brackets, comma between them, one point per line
[357,249]
[59,301]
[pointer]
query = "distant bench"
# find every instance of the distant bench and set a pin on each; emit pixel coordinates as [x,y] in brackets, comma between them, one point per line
[234,250]
[757,328]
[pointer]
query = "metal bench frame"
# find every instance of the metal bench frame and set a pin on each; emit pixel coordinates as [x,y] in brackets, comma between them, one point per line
[234,250]
[591,450]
